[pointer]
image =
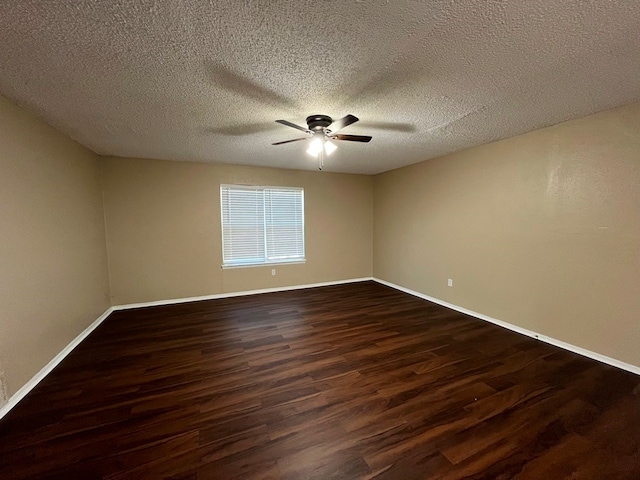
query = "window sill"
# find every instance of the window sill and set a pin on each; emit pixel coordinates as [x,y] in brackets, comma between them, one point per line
[271,264]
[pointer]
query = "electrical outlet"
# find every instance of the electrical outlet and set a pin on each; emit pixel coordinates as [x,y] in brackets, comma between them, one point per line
[450,282]
[273,271]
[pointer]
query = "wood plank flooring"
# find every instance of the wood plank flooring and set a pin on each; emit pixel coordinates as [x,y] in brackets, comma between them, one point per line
[355,381]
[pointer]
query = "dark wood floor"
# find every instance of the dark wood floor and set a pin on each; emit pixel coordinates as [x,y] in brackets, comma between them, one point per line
[351,381]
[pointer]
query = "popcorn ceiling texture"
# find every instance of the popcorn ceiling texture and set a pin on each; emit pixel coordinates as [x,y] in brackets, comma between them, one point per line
[204,81]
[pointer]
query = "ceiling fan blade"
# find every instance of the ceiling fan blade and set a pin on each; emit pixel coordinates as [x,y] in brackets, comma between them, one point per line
[289,141]
[293,125]
[352,138]
[343,122]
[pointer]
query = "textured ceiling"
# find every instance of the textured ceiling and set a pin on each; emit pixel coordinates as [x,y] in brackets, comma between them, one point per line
[205,80]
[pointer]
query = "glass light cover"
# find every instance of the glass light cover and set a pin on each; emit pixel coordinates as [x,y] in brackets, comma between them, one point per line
[315,148]
[329,147]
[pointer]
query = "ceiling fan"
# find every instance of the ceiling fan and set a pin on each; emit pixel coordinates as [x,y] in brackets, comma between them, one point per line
[321,129]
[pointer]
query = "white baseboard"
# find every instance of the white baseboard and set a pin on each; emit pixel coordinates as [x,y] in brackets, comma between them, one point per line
[236,294]
[38,377]
[552,341]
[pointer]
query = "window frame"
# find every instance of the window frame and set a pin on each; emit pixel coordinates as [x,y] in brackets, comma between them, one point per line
[267,261]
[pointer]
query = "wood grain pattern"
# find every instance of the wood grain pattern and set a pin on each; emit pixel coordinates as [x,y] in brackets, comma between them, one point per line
[355,381]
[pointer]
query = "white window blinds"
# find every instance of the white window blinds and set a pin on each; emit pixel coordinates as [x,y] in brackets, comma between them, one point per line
[262,224]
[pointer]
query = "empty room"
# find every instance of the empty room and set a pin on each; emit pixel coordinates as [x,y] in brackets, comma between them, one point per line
[313,240]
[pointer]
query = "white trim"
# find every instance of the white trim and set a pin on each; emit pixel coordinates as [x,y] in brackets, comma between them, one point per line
[268,264]
[236,294]
[38,377]
[543,338]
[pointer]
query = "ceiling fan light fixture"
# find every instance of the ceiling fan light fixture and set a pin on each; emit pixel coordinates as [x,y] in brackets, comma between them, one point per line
[315,147]
[329,147]
[320,134]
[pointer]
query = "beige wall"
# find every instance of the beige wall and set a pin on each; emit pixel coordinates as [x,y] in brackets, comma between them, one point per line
[541,231]
[53,263]
[164,238]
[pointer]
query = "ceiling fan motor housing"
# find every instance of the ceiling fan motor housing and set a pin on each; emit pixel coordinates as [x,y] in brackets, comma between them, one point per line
[318,122]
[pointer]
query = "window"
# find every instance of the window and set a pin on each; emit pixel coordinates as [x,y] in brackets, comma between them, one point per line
[261,225]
